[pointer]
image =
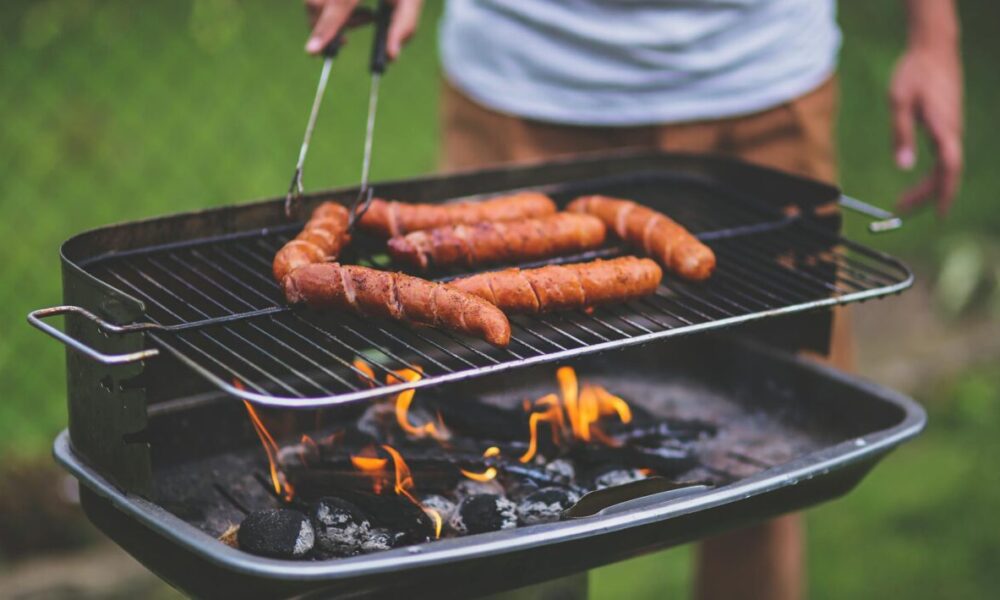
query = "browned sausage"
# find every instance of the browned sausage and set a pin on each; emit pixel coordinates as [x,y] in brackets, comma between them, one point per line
[490,242]
[370,292]
[391,218]
[656,233]
[322,239]
[561,287]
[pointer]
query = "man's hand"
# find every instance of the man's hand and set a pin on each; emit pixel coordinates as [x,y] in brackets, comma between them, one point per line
[327,17]
[926,88]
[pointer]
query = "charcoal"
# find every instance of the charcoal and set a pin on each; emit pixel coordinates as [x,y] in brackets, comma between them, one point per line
[545,505]
[341,527]
[468,487]
[482,513]
[395,513]
[298,455]
[277,533]
[442,505]
[561,471]
[519,488]
[613,477]
[379,540]
[667,460]
[481,421]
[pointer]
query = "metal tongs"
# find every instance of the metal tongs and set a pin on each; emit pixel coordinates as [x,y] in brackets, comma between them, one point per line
[379,59]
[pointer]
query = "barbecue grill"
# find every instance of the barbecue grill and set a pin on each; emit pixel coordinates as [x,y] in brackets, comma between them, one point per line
[169,319]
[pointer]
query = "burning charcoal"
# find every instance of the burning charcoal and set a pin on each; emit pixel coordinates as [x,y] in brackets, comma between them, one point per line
[276,532]
[545,505]
[480,420]
[379,540]
[482,513]
[468,487]
[617,477]
[519,488]
[442,505]
[341,527]
[561,471]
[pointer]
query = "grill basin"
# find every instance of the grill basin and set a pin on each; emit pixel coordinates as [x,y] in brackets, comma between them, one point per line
[808,433]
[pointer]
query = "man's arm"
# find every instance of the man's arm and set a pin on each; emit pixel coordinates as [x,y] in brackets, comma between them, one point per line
[926,88]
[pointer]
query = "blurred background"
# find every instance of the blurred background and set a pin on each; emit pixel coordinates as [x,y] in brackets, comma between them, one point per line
[114,110]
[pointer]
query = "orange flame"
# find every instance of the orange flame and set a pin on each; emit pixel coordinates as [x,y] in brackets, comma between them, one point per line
[490,473]
[369,463]
[404,399]
[281,486]
[366,370]
[582,407]
[404,483]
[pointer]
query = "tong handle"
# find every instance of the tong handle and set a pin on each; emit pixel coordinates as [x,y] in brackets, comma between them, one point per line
[886,220]
[35,318]
[380,53]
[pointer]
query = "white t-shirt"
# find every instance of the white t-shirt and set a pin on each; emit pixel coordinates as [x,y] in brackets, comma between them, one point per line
[637,62]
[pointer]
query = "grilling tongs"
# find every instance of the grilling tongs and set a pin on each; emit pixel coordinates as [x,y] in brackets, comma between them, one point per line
[377,65]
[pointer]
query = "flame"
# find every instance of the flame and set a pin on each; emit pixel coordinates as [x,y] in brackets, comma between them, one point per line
[490,473]
[574,414]
[366,370]
[281,486]
[403,485]
[369,463]
[404,399]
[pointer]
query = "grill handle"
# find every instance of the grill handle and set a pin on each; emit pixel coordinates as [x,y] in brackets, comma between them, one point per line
[35,318]
[886,220]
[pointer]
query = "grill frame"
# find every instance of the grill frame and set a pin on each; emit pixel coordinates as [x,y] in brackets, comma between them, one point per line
[689,308]
[198,564]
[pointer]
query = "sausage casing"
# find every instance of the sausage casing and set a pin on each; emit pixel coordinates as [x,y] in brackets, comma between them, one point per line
[370,292]
[391,218]
[563,287]
[491,242]
[657,234]
[322,239]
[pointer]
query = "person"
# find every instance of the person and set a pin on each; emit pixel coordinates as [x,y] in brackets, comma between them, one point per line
[753,79]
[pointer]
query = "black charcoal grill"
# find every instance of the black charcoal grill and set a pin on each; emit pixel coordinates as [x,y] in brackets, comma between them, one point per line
[165,316]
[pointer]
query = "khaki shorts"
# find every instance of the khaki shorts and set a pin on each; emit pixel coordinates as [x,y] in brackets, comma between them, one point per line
[796,137]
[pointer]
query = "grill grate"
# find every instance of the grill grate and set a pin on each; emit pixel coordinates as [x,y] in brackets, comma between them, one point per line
[215,306]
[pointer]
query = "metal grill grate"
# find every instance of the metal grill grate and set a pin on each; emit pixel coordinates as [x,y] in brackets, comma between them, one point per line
[216,307]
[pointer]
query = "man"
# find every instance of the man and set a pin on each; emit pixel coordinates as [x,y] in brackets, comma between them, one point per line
[755,79]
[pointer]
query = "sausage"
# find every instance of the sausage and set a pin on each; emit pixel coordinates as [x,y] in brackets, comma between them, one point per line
[656,233]
[374,293]
[562,287]
[491,242]
[392,218]
[322,239]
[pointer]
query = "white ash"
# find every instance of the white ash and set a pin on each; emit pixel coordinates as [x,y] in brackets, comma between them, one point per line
[617,477]
[545,505]
[482,513]
[442,505]
[469,487]
[378,540]
[561,471]
[341,528]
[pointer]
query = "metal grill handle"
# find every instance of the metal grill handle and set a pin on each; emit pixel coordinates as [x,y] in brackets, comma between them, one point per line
[886,220]
[35,318]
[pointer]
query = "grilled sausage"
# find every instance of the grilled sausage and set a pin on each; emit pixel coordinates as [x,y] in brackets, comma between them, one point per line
[391,218]
[561,287]
[322,239]
[490,242]
[370,292]
[657,234]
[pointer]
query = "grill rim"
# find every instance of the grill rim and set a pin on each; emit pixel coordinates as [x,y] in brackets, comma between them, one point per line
[159,337]
[811,466]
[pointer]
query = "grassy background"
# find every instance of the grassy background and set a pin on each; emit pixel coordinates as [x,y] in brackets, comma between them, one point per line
[115,110]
